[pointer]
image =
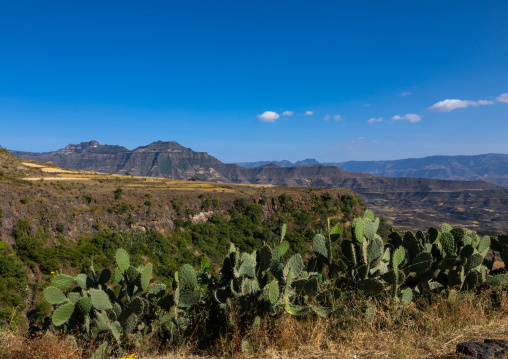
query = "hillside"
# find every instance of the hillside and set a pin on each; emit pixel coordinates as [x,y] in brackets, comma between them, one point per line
[405,201]
[82,201]
[54,222]
[489,167]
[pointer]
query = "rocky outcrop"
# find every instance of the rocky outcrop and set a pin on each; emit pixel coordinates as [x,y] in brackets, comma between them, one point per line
[489,349]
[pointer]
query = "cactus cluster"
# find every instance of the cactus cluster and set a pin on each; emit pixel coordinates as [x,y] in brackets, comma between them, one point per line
[120,307]
[452,258]
[93,309]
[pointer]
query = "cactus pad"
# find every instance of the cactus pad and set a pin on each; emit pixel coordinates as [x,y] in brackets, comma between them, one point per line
[295,263]
[349,253]
[248,266]
[358,226]
[53,295]
[273,292]
[146,275]
[398,257]
[368,230]
[374,250]
[319,245]
[422,262]
[448,243]
[62,281]
[371,286]
[484,244]
[335,233]
[62,314]
[407,296]
[188,277]
[122,259]
[497,280]
[283,232]
[100,299]
[433,235]
[265,256]
[282,249]
[471,280]
[474,261]
[84,305]
[189,298]
[445,228]
[105,276]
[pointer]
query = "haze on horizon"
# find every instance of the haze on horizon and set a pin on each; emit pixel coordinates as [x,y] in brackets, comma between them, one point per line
[332,80]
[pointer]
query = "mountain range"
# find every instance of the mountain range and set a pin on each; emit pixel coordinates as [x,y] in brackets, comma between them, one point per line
[490,167]
[403,200]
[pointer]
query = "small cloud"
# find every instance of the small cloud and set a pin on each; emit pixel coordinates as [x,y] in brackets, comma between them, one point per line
[268,116]
[287,113]
[377,142]
[337,118]
[373,120]
[452,104]
[503,97]
[327,117]
[411,117]
[405,94]
[366,105]
[361,138]
[309,113]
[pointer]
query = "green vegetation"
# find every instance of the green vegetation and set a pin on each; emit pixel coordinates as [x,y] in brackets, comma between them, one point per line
[265,281]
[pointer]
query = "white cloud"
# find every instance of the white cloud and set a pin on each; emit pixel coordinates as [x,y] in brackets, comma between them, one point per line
[268,116]
[309,113]
[452,104]
[405,93]
[327,117]
[287,113]
[411,117]
[373,119]
[503,97]
[337,118]
[366,105]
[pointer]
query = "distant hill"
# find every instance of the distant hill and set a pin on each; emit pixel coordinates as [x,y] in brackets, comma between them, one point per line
[489,167]
[406,201]
[283,163]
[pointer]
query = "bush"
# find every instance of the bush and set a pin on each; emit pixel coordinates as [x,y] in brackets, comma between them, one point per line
[255,213]
[241,204]
[59,227]
[118,193]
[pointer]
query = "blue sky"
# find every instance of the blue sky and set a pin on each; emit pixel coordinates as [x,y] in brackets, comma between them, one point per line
[257,80]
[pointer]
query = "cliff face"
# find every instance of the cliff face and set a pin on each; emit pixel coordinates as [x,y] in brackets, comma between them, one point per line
[405,200]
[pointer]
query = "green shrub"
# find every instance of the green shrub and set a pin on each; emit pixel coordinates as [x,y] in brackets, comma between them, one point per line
[59,227]
[241,204]
[118,193]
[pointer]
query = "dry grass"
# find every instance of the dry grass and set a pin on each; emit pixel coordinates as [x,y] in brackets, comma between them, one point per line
[429,332]
[15,346]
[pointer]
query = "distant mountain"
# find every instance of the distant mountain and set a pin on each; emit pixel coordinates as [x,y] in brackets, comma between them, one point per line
[490,167]
[158,159]
[405,201]
[283,163]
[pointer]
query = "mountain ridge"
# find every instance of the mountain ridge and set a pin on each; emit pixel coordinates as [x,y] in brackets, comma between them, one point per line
[403,200]
[489,167]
